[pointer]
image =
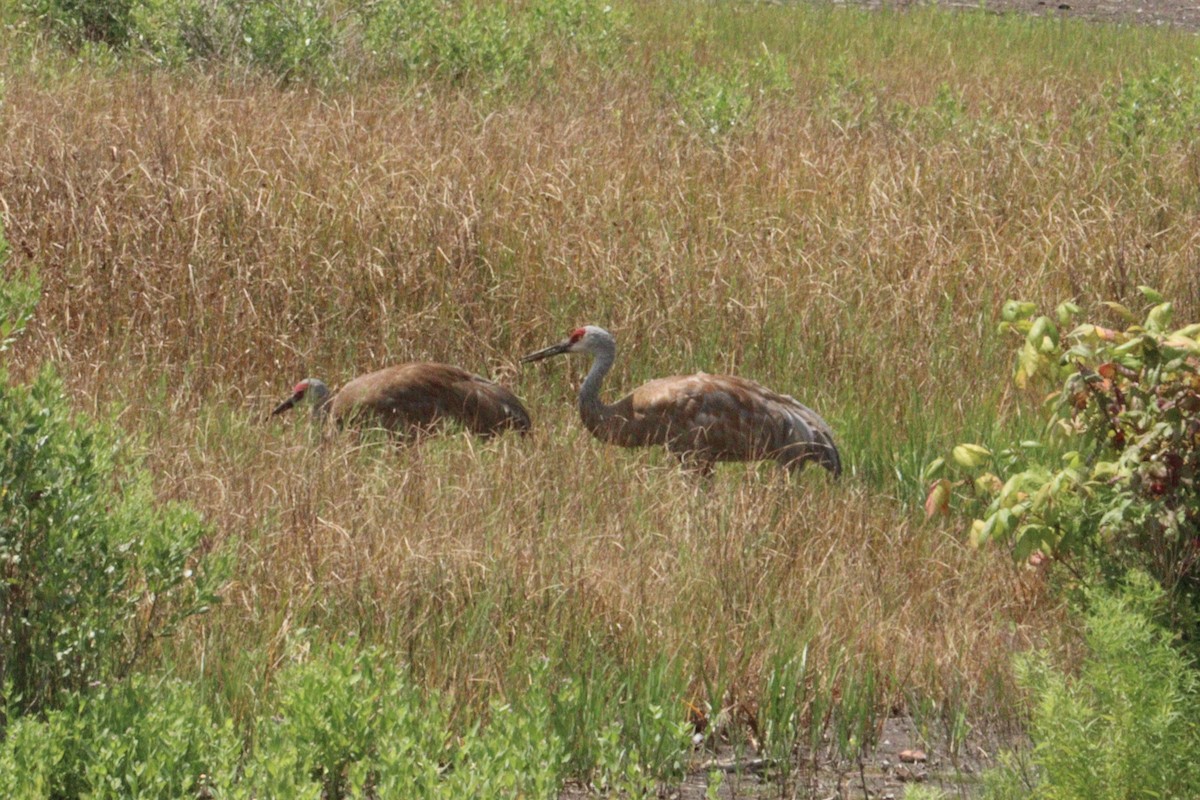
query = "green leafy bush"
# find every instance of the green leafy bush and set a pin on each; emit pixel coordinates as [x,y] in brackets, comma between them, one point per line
[351,725]
[343,724]
[1157,109]
[472,41]
[92,569]
[107,22]
[1114,485]
[18,298]
[515,755]
[718,99]
[142,738]
[850,101]
[293,39]
[1126,726]
[325,720]
[178,31]
[323,41]
[337,716]
[460,41]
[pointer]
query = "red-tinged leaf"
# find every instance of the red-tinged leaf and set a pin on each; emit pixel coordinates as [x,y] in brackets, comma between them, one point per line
[1107,370]
[1107,334]
[937,501]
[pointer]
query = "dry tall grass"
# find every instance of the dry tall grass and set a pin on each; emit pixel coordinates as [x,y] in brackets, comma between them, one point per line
[206,241]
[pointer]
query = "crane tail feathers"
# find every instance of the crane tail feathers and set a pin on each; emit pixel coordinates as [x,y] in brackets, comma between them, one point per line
[492,408]
[810,439]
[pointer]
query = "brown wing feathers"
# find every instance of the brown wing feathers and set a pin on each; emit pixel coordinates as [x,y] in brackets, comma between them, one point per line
[723,418]
[420,395]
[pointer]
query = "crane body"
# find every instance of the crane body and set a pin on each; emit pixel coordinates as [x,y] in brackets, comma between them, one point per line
[414,397]
[701,418]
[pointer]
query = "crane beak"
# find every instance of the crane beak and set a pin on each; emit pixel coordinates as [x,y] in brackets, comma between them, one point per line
[552,350]
[285,405]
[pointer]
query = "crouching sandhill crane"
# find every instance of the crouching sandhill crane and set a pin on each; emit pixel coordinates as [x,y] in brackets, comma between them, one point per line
[700,418]
[409,398]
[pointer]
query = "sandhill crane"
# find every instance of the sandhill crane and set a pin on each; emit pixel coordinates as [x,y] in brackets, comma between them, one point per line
[414,397]
[700,418]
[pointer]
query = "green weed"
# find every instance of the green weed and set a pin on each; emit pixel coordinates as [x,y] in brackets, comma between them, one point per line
[1156,110]
[1125,725]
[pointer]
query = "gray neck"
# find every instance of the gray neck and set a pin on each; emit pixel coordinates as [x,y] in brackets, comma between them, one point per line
[591,408]
[319,395]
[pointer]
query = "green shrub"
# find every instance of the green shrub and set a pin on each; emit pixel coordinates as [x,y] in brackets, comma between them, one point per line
[945,115]
[344,724]
[18,299]
[32,757]
[515,755]
[713,101]
[322,40]
[178,31]
[142,738]
[351,725]
[92,569]
[107,22]
[1127,726]
[1113,486]
[595,29]
[461,41]
[333,711]
[719,99]
[850,101]
[1161,108]
[294,39]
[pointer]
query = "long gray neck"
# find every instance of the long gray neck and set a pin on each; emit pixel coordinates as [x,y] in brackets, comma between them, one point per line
[319,396]
[591,408]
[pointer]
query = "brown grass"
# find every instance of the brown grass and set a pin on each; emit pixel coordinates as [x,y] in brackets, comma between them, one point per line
[206,241]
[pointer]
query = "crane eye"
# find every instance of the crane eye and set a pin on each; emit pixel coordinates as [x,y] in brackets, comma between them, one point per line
[576,335]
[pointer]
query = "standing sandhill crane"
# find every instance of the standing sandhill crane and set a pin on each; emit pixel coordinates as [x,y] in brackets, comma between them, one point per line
[700,418]
[409,398]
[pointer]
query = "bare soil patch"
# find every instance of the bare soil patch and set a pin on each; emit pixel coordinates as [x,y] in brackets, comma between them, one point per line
[901,758]
[1184,14]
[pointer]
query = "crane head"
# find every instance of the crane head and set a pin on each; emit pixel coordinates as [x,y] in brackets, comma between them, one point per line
[309,389]
[587,339]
